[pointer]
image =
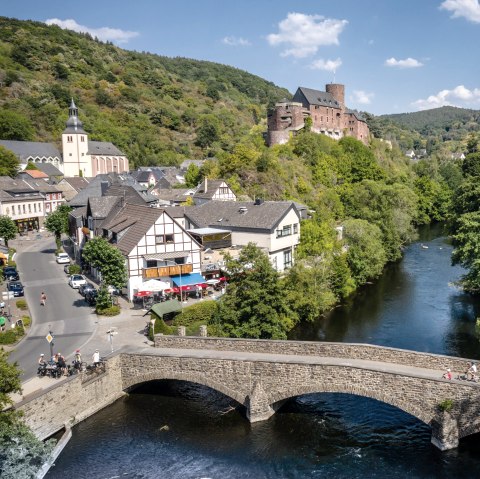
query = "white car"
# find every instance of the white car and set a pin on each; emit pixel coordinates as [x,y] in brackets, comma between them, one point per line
[63,258]
[76,280]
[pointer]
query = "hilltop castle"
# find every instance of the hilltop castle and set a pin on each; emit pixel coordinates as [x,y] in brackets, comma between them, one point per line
[325,108]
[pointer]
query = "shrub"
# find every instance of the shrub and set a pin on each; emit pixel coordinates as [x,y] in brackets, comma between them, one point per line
[21,304]
[111,311]
[74,269]
[12,263]
[9,336]
[27,321]
[160,327]
[446,405]
[202,313]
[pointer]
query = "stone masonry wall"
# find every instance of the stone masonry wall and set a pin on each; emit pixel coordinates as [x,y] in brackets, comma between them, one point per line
[72,400]
[315,348]
[276,381]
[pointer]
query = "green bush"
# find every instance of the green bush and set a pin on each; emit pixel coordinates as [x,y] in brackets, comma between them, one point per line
[201,313]
[74,269]
[21,304]
[27,321]
[446,405]
[12,263]
[8,337]
[111,311]
[160,327]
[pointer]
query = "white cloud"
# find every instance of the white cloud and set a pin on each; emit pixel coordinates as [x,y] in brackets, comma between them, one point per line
[362,97]
[327,65]
[469,9]
[104,33]
[236,41]
[304,34]
[459,96]
[407,63]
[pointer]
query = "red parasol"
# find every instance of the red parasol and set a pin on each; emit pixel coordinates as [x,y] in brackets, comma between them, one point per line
[141,294]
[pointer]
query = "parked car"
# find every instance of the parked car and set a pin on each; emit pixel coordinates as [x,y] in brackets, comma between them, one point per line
[112,290]
[91,297]
[85,288]
[76,280]
[10,273]
[63,258]
[16,288]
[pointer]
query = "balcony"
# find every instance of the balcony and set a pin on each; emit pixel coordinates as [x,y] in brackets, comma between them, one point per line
[167,271]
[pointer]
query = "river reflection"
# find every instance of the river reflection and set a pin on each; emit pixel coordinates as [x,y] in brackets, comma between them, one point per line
[179,430]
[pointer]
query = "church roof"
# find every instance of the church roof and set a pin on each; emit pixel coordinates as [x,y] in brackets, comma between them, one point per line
[31,149]
[103,148]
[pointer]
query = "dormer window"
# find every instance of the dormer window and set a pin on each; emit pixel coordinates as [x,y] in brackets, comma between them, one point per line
[70,139]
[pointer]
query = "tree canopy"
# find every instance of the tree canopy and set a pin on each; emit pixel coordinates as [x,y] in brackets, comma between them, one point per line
[8,229]
[9,164]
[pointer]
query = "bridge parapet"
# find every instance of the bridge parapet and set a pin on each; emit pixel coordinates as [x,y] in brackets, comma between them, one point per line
[315,348]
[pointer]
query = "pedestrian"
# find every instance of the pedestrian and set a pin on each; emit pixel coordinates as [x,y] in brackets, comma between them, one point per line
[61,364]
[448,374]
[96,358]
[43,299]
[3,320]
[41,360]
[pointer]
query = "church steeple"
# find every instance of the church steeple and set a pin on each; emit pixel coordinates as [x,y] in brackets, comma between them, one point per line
[74,125]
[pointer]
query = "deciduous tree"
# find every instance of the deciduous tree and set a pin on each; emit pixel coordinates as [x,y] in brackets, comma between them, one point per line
[9,164]
[8,229]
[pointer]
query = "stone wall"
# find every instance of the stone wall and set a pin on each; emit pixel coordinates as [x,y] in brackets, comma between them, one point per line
[316,348]
[72,400]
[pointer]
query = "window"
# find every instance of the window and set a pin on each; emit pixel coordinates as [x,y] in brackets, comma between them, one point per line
[69,139]
[23,208]
[287,259]
[285,231]
[29,208]
[82,138]
[295,228]
[8,210]
[34,207]
[13,209]
[162,239]
[223,190]
[39,207]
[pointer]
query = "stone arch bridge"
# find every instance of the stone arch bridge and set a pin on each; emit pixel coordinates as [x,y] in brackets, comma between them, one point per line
[262,374]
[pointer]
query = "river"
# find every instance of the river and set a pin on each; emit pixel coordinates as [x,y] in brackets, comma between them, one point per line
[178,430]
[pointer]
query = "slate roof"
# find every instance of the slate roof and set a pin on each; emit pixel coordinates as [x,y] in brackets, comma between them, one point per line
[212,187]
[186,163]
[356,114]
[131,194]
[315,97]
[103,148]
[144,175]
[177,211]
[77,182]
[176,195]
[232,216]
[100,206]
[133,221]
[31,149]
[42,185]
[49,169]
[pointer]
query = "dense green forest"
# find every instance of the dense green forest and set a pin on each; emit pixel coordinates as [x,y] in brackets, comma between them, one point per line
[440,130]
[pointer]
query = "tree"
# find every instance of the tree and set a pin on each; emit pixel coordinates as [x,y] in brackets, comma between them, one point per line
[467,248]
[21,453]
[100,254]
[365,256]
[9,164]
[8,229]
[14,126]
[254,306]
[192,175]
[57,222]
[31,166]
[208,131]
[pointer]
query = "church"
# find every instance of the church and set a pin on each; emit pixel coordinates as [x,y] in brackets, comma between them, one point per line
[81,156]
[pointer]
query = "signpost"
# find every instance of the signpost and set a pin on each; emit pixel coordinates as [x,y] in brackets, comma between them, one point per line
[50,337]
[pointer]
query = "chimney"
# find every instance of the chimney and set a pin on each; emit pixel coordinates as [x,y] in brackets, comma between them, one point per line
[205,185]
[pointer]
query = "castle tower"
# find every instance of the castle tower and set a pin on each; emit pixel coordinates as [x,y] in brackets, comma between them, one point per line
[76,161]
[337,91]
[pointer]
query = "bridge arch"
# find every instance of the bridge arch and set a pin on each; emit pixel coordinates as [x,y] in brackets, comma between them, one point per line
[193,378]
[356,390]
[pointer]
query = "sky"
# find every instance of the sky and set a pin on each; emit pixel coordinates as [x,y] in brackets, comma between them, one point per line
[393,56]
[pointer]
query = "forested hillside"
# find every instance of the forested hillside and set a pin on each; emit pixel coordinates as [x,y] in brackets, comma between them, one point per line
[444,128]
[158,110]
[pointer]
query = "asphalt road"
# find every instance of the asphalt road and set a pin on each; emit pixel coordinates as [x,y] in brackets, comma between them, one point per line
[66,314]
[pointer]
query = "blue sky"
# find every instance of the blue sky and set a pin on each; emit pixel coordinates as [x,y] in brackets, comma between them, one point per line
[393,56]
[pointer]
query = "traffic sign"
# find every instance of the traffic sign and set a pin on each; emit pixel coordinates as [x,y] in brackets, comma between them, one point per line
[49,337]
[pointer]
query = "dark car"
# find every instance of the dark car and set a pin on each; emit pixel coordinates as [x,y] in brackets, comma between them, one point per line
[10,273]
[16,288]
[91,297]
[84,288]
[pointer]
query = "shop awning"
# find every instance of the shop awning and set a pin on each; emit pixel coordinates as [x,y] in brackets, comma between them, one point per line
[166,307]
[188,279]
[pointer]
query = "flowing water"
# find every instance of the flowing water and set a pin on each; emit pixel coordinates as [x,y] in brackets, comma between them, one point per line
[179,430]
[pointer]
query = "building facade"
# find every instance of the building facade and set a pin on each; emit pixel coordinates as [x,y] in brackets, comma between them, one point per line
[326,110]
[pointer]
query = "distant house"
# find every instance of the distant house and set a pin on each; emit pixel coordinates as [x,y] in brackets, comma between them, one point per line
[71,186]
[213,190]
[172,196]
[410,154]
[272,225]
[147,177]
[32,174]
[458,156]
[155,247]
